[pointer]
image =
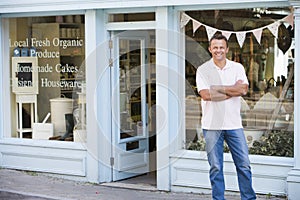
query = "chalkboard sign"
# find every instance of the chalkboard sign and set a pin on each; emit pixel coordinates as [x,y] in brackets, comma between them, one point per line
[25,75]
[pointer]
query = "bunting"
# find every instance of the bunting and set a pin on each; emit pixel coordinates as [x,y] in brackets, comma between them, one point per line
[274,28]
[240,35]
[184,20]
[196,25]
[290,20]
[210,31]
[257,33]
[227,34]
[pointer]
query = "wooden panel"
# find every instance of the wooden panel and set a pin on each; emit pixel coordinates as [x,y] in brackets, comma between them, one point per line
[191,171]
[53,160]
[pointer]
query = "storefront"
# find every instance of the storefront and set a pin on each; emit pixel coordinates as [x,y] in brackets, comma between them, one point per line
[101,92]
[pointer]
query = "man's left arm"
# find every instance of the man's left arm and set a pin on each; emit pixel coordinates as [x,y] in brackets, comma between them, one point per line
[238,89]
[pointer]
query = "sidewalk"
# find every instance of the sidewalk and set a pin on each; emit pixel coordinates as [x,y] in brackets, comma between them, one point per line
[16,184]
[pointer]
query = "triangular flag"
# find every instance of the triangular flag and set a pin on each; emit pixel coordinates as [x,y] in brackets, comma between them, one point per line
[184,19]
[196,25]
[274,28]
[210,32]
[226,34]
[257,33]
[289,19]
[241,36]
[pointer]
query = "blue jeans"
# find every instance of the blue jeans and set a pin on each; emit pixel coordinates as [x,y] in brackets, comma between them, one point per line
[239,150]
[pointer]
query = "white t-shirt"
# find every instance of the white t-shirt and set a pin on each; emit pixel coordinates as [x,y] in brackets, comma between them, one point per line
[220,115]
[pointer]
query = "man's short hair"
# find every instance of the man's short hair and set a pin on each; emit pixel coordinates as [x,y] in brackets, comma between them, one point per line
[218,36]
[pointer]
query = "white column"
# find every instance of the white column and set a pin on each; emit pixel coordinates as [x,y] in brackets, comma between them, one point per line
[168,93]
[162,99]
[176,81]
[102,99]
[95,52]
[293,179]
[5,102]
[1,84]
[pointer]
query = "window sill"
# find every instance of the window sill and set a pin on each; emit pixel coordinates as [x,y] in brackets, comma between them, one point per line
[255,159]
[43,143]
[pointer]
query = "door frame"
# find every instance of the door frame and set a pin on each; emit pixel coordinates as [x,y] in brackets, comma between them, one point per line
[105,173]
[168,47]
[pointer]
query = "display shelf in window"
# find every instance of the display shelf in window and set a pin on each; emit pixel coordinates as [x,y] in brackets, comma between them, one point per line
[71,30]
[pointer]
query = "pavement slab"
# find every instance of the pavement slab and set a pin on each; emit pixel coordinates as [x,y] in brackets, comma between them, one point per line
[15,184]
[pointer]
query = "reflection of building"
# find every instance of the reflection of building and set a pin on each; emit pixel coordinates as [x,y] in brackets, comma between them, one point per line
[130,57]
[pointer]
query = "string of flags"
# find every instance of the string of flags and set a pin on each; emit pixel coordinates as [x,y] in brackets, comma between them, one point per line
[240,35]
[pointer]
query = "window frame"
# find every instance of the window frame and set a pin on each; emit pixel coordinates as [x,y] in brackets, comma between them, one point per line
[7,100]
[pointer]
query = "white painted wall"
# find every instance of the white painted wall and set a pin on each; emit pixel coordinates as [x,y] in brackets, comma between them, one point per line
[56,157]
[293,180]
[190,173]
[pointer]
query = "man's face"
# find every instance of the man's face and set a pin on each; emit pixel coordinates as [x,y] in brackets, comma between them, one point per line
[218,49]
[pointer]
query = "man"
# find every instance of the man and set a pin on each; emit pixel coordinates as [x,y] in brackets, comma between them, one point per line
[220,83]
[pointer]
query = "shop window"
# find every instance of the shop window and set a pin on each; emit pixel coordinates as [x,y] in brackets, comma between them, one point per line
[262,41]
[48,77]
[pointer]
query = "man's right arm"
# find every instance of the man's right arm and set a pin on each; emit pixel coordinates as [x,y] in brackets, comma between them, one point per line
[212,95]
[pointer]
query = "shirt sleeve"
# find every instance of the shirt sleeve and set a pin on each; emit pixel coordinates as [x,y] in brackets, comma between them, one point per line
[201,81]
[242,74]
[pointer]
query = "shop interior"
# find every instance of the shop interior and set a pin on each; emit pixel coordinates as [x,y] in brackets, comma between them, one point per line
[48,76]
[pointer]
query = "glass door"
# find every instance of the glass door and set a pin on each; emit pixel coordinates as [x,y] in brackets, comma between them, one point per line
[130,110]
